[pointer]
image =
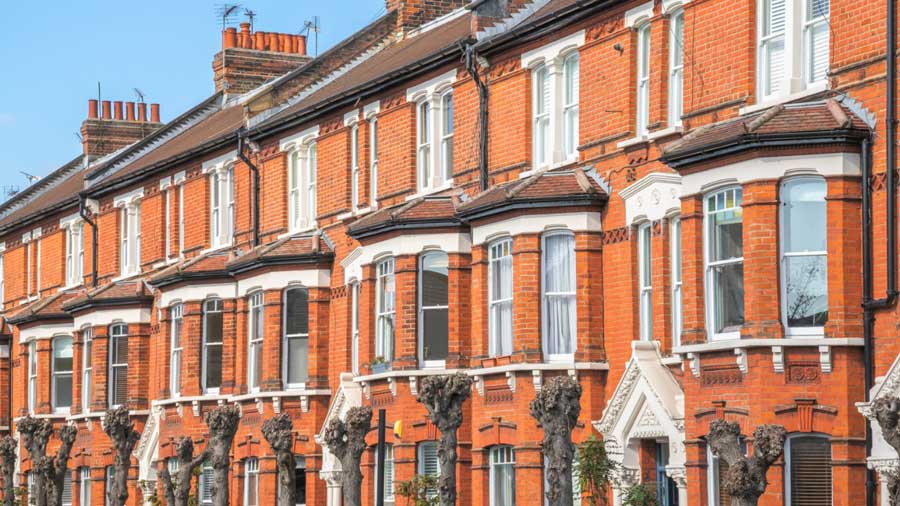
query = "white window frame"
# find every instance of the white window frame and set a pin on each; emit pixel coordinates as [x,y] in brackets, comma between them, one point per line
[2,276]
[302,174]
[74,230]
[421,468]
[508,453]
[217,307]
[446,133]
[165,187]
[542,139]
[129,235]
[547,295]
[373,161]
[255,317]
[84,482]
[571,105]
[251,468]
[425,167]
[496,255]
[26,238]
[389,497]
[87,366]
[181,219]
[32,376]
[384,345]
[422,309]
[676,71]
[709,265]
[645,280]
[176,347]
[354,327]
[810,332]
[677,270]
[642,85]
[285,363]
[428,97]
[221,206]
[116,365]
[36,235]
[55,375]
[354,166]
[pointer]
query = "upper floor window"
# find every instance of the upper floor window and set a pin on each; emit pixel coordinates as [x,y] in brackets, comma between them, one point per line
[211,368]
[255,341]
[645,283]
[251,482]
[302,173]
[2,281]
[804,255]
[181,220]
[87,367]
[118,364]
[807,470]
[433,308]
[447,136]
[388,474]
[560,320]
[677,304]
[384,310]
[570,106]
[676,67]
[176,348]
[423,146]
[221,206]
[643,79]
[32,376]
[130,239]
[793,47]
[555,102]
[724,263]
[427,463]
[503,476]
[296,337]
[62,373]
[541,100]
[433,101]
[74,252]
[373,161]
[354,166]
[354,326]
[500,298]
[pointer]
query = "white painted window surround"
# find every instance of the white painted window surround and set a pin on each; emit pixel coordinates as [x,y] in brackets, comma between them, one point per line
[370,114]
[302,178]
[73,226]
[129,206]
[172,188]
[430,99]
[221,199]
[351,121]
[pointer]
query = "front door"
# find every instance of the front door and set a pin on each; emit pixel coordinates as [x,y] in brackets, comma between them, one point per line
[666,490]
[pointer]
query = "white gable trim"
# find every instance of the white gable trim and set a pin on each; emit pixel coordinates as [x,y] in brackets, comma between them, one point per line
[652,197]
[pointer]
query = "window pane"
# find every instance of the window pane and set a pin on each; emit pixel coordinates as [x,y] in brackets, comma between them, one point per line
[435,335]
[63,390]
[298,359]
[807,290]
[120,380]
[559,260]
[810,468]
[213,327]
[804,215]
[434,279]
[300,480]
[62,354]
[728,286]
[213,367]
[297,311]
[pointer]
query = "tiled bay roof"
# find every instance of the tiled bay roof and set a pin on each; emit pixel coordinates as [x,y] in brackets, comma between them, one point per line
[210,265]
[46,308]
[423,212]
[124,292]
[287,250]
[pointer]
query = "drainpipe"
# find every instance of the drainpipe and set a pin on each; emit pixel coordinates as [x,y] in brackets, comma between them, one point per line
[871,305]
[83,212]
[471,57]
[243,138]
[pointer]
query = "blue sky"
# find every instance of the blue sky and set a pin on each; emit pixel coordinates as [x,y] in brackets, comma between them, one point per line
[54,53]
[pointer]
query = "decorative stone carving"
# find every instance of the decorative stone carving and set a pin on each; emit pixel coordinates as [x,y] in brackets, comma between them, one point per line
[745,480]
[556,407]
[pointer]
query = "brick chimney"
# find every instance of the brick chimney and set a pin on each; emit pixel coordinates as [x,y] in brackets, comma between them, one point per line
[249,59]
[116,126]
[414,13]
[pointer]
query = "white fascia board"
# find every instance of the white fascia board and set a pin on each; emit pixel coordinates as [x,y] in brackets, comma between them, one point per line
[313,278]
[576,222]
[102,317]
[197,292]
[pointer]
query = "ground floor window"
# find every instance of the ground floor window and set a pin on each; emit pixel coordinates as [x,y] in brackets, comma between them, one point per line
[251,482]
[503,476]
[807,480]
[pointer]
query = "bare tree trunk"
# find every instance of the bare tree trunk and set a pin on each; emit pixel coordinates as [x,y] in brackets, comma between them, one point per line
[35,433]
[8,457]
[746,477]
[120,429]
[347,441]
[57,479]
[223,424]
[443,397]
[887,414]
[279,432]
[178,492]
[556,407]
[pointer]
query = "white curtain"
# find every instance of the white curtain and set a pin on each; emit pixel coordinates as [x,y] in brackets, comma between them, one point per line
[559,293]
[501,300]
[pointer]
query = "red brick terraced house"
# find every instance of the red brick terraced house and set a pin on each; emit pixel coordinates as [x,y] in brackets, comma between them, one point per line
[682,204]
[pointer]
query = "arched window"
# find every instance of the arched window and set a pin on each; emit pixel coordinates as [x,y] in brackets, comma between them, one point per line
[804,255]
[302,173]
[295,343]
[384,310]
[211,364]
[807,480]
[500,298]
[502,476]
[251,482]
[559,318]
[176,348]
[118,364]
[62,373]
[221,192]
[433,308]
[255,340]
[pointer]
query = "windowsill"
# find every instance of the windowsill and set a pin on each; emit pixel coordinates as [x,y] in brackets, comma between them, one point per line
[634,141]
[725,336]
[188,399]
[546,167]
[352,214]
[665,132]
[69,287]
[216,248]
[765,343]
[782,99]
[300,231]
[278,393]
[430,191]
[540,366]
[805,333]
[402,374]
[123,277]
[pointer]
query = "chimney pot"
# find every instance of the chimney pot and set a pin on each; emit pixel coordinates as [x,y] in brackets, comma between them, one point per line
[154,113]
[259,41]
[301,45]
[117,110]
[229,37]
[273,41]
[142,112]
[92,109]
[245,35]
[284,42]
[106,110]
[129,111]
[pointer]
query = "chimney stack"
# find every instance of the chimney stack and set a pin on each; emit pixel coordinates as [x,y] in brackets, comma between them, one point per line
[415,13]
[248,59]
[106,130]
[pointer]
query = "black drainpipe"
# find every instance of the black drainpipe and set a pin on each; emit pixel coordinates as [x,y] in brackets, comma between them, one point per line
[243,138]
[871,305]
[82,211]
[471,57]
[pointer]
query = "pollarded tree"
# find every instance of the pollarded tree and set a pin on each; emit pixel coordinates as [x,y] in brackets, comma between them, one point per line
[35,433]
[223,424]
[347,441]
[60,465]
[118,426]
[887,414]
[279,432]
[556,407]
[8,457]
[178,490]
[745,480]
[443,397]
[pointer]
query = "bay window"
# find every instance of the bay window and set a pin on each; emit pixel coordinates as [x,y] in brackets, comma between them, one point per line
[676,67]
[724,263]
[793,46]
[645,283]
[221,191]
[540,104]
[804,256]
[643,79]
[447,135]
[32,376]
[302,174]
[500,298]
[559,318]
[295,344]
[677,302]
[255,340]
[118,364]
[384,310]
[433,308]
[175,348]
[502,476]
[211,360]
[61,389]
[87,367]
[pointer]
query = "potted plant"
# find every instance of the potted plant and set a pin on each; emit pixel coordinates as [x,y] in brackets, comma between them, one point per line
[379,364]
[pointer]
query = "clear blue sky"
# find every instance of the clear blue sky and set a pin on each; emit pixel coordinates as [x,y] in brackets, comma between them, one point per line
[52,54]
